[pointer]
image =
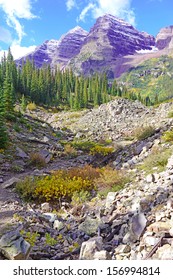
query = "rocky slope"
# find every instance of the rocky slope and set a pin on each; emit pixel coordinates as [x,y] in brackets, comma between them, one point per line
[133,223]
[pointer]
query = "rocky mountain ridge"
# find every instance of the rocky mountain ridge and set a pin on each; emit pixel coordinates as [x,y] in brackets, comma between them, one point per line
[112,45]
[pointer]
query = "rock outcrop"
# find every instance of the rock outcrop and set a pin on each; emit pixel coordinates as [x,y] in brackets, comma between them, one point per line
[164,38]
[109,40]
[53,52]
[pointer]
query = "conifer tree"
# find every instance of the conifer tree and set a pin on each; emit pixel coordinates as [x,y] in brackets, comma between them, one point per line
[3,130]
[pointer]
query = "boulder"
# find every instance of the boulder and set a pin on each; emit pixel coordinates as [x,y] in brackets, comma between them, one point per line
[14,247]
[90,247]
[90,225]
[10,183]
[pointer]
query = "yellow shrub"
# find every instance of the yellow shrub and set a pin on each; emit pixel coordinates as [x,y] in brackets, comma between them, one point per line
[31,106]
[100,150]
[57,187]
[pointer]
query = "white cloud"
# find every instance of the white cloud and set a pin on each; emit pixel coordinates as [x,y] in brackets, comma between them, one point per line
[70,4]
[18,51]
[119,8]
[16,11]
[85,11]
[5,35]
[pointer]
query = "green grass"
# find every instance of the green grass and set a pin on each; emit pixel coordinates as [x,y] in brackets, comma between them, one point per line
[156,161]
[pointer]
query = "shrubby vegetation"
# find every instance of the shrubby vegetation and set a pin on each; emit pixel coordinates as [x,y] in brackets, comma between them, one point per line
[158,160]
[168,136]
[151,81]
[143,132]
[76,184]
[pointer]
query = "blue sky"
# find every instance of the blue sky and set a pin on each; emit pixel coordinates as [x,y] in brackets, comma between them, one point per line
[25,24]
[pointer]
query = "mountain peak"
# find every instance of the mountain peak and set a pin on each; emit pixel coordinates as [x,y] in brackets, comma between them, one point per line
[114,18]
[77,29]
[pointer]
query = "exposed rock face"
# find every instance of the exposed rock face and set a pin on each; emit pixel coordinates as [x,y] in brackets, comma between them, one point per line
[69,46]
[58,51]
[109,39]
[164,38]
[43,54]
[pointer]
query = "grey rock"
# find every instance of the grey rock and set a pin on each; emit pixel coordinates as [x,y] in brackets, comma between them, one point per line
[90,226]
[20,153]
[110,200]
[58,225]
[10,183]
[138,224]
[50,217]
[14,247]
[45,155]
[150,178]
[102,255]
[90,247]
[45,207]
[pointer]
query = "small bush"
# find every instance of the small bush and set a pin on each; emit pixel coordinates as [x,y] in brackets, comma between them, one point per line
[60,185]
[83,145]
[37,160]
[87,172]
[141,133]
[69,150]
[109,177]
[100,150]
[16,127]
[168,136]
[80,197]
[26,188]
[31,106]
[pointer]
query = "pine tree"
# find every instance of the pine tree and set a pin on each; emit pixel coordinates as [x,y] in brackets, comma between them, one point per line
[3,130]
[8,94]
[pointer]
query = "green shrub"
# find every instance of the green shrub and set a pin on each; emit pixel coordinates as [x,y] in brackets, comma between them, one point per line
[83,145]
[30,237]
[26,188]
[16,127]
[141,133]
[80,197]
[50,240]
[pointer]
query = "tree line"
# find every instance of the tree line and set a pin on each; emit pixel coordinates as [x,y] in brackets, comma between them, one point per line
[44,86]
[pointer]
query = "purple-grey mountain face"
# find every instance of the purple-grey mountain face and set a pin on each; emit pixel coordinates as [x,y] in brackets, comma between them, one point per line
[69,46]
[164,38]
[109,40]
[111,46]
[59,52]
